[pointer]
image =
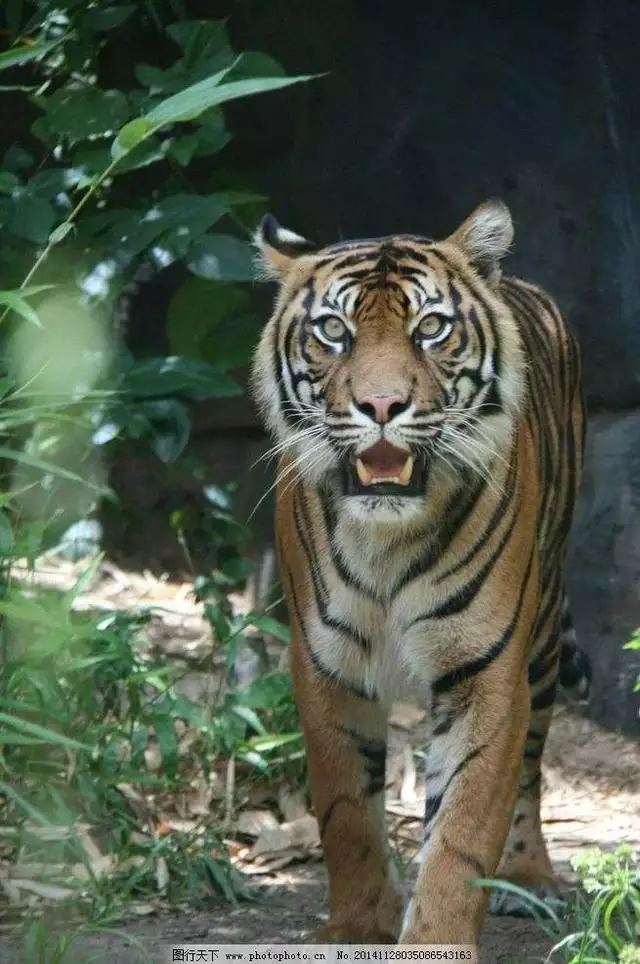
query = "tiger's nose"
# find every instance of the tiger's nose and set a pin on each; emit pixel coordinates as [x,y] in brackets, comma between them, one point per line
[382,408]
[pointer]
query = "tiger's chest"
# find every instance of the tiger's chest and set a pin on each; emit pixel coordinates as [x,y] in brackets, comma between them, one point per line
[374,623]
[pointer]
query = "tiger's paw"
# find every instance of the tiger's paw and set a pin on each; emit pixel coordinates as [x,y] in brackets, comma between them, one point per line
[350,934]
[508,903]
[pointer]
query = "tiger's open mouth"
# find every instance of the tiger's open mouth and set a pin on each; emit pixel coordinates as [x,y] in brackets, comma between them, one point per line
[384,469]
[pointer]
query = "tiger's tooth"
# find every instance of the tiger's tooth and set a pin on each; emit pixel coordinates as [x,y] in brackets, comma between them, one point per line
[405,476]
[363,473]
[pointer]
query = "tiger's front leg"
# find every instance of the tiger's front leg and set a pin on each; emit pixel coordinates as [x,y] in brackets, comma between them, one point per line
[473,768]
[345,736]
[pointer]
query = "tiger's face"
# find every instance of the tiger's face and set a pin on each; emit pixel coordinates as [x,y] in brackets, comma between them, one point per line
[390,363]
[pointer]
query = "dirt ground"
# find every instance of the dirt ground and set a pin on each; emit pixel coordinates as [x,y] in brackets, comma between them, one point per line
[287,910]
[591,798]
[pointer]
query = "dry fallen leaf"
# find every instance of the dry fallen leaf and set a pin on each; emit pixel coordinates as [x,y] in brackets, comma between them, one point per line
[252,823]
[90,847]
[162,874]
[142,909]
[48,891]
[301,835]
[292,803]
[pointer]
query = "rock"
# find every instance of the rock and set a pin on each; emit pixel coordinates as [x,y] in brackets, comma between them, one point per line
[604,567]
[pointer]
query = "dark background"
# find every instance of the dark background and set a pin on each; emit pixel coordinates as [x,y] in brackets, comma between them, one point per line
[425,110]
[429,108]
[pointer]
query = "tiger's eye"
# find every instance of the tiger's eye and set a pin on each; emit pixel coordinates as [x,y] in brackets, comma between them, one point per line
[332,328]
[432,327]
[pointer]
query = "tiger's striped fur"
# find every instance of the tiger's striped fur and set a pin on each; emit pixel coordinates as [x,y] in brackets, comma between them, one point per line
[447,589]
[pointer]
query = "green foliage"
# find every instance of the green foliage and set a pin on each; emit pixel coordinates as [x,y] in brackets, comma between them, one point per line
[80,193]
[601,924]
[93,728]
[634,644]
[123,169]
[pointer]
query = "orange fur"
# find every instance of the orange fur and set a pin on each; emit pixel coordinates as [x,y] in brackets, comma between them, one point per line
[450,593]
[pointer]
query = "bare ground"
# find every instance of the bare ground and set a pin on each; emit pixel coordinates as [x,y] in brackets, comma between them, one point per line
[591,798]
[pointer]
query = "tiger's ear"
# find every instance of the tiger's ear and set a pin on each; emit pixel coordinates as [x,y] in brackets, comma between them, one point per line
[277,248]
[485,237]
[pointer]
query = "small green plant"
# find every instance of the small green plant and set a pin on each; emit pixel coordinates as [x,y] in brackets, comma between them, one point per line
[601,922]
[95,738]
[42,948]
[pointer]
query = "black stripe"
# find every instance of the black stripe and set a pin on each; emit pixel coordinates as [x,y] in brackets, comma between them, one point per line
[468,670]
[531,784]
[492,525]
[432,804]
[374,755]
[353,688]
[545,698]
[460,600]
[487,309]
[467,858]
[459,508]
[330,522]
[321,592]
[545,660]
[329,812]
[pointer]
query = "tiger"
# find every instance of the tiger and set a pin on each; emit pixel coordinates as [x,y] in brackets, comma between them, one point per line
[428,418]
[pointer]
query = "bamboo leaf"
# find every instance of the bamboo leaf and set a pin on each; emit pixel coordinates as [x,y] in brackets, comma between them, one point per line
[22,55]
[42,733]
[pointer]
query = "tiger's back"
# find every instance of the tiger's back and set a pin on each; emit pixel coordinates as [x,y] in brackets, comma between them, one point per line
[431,425]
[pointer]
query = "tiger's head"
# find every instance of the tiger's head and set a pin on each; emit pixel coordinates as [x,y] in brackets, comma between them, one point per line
[388,362]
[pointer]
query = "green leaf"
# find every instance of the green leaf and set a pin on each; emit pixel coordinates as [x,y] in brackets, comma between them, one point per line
[42,733]
[16,159]
[212,321]
[8,182]
[250,717]
[170,427]
[60,233]
[36,815]
[29,217]
[263,744]
[15,301]
[266,692]
[49,182]
[527,896]
[220,876]
[199,39]
[177,376]
[255,759]
[167,741]
[130,136]
[78,113]
[212,132]
[190,103]
[272,627]
[6,534]
[184,148]
[22,55]
[108,18]
[217,496]
[49,468]
[221,257]
[172,224]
